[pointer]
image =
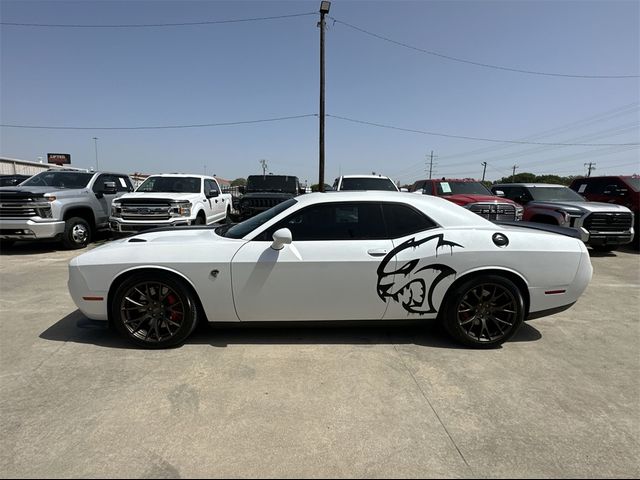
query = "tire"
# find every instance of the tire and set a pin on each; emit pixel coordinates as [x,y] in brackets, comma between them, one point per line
[227,218]
[484,311]
[77,233]
[154,310]
[200,220]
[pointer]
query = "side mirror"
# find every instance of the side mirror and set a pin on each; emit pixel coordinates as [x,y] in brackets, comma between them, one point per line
[109,188]
[498,193]
[281,238]
[301,191]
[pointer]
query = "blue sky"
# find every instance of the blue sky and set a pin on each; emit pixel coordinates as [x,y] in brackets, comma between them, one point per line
[121,77]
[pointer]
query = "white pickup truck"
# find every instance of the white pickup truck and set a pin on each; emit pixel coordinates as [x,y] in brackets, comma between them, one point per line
[169,200]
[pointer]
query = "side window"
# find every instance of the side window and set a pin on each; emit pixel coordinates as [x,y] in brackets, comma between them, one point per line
[595,186]
[211,186]
[335,184]
[333,221]
[123,184]
[98,185]
[404,220]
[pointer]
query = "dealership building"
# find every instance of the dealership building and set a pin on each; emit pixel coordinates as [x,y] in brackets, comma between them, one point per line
[15,166]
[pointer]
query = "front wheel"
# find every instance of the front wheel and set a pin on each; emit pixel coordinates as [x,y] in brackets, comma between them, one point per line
[77,233]
[154,310]
[484,311]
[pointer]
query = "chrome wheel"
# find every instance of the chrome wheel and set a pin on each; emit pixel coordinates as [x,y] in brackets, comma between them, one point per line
[79,233]
[152,311]
[487,312]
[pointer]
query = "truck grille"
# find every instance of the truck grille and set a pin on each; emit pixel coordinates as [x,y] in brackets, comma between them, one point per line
[145,211]
[494,211]
[608,222]
[22,209]
[262,203]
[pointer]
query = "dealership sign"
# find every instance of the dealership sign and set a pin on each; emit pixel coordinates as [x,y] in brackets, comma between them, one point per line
[59,158]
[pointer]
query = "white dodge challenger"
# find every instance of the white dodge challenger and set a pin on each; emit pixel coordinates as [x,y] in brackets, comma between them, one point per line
[335,256]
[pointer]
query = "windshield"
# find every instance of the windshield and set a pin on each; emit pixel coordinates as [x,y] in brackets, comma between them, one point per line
[271,183]
[455,188]
[59,180]
[240,230]
[171,184]
[634,183]
[555,194]
[368,184]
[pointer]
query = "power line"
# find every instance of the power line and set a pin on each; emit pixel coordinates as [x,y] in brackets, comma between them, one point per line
[153,25]
[479,64]
[480,139]
[161,127]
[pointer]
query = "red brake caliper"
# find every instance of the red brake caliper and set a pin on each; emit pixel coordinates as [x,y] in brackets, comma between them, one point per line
[175,316]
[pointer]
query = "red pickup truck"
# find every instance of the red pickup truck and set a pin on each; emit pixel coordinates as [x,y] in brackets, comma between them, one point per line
[473,195]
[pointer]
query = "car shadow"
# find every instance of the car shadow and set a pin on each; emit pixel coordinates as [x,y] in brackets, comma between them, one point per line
[35,247]
[75,327]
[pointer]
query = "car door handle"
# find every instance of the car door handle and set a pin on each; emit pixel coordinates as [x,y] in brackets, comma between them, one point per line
[377,252]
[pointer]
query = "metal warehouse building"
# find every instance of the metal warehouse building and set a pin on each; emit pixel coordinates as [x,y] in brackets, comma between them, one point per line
[14,166]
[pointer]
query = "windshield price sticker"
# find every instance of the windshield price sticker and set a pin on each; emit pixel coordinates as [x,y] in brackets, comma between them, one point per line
[446,188]
[122,182]
[582,188]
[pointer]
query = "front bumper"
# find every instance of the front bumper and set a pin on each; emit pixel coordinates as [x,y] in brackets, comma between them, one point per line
[608,238]
[27,229]
[117,225]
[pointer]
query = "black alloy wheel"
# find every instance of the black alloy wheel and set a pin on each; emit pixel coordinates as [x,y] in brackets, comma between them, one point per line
[484,312]
[154,310]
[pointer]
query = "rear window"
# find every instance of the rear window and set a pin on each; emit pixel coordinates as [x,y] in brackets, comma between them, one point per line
[368,184]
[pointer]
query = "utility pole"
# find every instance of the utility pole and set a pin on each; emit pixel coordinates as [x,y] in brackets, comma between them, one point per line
[514,172]
[484,169]
[590,166]
[263,162]
[95,142]
[324,9]
[431,165]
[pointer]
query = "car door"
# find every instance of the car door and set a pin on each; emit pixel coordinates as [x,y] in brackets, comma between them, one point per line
[103,200]
[328,272]
[215,204]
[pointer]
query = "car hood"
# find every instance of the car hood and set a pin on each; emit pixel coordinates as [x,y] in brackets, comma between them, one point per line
[163,247]
[38,191]
[466,198]
[159,196]
[590,207]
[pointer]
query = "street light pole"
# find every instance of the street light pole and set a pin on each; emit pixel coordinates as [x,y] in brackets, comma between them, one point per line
[324,9]
[95,141]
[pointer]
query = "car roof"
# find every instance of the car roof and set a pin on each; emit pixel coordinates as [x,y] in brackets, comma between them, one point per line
[365,176]
[442,211]
[529,185]
[183,175]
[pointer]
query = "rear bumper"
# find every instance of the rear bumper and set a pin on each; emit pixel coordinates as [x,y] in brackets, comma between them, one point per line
[27,229]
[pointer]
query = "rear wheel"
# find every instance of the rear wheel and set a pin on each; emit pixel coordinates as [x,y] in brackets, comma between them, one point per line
[77,233]
[154,310]
[484,311]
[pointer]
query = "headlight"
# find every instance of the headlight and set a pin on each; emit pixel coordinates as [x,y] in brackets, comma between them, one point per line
[116,209]
[181,209]
[519,212]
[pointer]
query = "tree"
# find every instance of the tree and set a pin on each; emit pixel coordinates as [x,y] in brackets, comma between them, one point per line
[239,182]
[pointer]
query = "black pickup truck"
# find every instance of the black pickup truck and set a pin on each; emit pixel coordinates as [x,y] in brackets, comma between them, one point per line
[265,191]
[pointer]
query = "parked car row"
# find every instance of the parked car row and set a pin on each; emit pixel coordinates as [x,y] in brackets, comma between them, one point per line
[72,205]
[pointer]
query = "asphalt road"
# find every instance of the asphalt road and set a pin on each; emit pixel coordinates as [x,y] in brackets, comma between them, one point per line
[562,399]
